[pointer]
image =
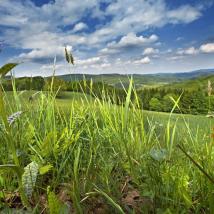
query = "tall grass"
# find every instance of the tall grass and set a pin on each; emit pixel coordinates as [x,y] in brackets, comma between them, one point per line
[92,156]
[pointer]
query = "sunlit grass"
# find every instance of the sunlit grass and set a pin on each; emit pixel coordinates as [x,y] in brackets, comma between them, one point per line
[94,154]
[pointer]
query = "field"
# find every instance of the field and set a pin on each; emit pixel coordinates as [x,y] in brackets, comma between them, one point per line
[79,154]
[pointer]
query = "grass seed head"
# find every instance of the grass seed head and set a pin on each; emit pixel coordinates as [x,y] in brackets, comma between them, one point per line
[209,88]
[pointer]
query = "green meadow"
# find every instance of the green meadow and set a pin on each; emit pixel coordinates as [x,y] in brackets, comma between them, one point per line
[106,107]
[72,153]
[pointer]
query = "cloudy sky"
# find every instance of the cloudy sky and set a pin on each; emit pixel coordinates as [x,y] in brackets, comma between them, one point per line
[107,36]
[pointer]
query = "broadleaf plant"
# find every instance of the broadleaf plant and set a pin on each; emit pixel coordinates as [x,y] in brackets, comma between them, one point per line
[16,167]
[29,178]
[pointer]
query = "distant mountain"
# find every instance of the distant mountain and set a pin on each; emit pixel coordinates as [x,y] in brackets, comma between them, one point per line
[195,74]
[140,80]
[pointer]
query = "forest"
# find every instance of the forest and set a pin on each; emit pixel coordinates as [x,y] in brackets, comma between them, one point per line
[161,99]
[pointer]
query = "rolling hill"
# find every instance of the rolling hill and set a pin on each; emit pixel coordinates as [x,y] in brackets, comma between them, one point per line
[140,80]
[199,83]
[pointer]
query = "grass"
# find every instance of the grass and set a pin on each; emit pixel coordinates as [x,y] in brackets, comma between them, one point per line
[80,154]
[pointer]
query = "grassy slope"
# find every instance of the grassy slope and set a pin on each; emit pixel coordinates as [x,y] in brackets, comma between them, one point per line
[66,100]
[195,124]
[103,155]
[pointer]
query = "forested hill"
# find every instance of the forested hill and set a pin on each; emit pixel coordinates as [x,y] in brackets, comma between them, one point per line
[192,84]
[139,79]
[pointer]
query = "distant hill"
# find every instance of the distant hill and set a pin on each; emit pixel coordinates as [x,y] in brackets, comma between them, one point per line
[140,80]
[172,80]
[199,83]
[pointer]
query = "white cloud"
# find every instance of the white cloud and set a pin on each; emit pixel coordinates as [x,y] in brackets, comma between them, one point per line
[149,51]
[180,38]
[39,54]
[129,41]
[185,14]
[207,48]
[191,51]
[79,27]
[89,61]
[132,39]
[145,60]
[174,58]
[135,16]
[43,53]
[188,51]
[204,48]
[105,65]
[38,32]
[31,21]
[48,67]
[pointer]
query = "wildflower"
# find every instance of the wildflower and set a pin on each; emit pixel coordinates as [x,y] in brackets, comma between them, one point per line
[13,117]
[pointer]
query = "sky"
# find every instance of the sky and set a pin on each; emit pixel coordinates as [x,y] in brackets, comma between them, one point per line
[107,36]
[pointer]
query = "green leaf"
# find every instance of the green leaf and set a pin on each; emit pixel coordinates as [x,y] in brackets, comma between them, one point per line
[158,154]
[69,57]
[29,178]
[45,169]
[55,205]
[6,68]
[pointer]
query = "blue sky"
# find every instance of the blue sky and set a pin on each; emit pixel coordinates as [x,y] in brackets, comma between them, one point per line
[107,36]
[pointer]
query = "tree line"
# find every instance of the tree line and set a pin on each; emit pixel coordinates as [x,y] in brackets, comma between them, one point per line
[154,99]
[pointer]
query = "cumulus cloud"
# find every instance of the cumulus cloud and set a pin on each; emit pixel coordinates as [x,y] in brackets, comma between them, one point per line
[207,48]
[181,53]
[174,58]
[204,48]
[149,51]
[145,60]
[185,14]
[31,21]
[89,61]
[180,38]
[188,51]
[130,41]
[39,32]
[79,27]
[137,17]
[43,54]
[105,65]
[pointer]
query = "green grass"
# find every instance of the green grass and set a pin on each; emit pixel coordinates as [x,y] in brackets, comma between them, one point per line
[196,124]
[89,156]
